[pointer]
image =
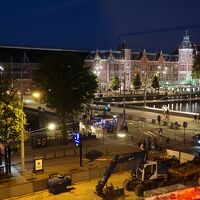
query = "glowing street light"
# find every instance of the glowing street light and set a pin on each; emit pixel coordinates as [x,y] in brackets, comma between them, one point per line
[36,95]
[51,126]
[1,71]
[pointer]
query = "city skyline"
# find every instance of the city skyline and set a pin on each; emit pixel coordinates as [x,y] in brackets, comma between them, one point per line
[90,25]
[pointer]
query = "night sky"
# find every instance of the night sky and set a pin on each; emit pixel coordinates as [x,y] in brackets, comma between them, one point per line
[99,24]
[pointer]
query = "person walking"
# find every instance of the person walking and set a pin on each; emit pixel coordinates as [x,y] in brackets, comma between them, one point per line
[167,113]
[159,119]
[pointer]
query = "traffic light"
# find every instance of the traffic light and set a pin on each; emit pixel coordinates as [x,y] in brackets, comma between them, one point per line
[185,124]
[107,108]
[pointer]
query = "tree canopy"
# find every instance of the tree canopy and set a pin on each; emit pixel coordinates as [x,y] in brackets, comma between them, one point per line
[12,119]
[137,82]
[65,83]
[155,82]
[115,84]
[196,67]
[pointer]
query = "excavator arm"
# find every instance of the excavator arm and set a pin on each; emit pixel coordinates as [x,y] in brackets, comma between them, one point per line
[137,156]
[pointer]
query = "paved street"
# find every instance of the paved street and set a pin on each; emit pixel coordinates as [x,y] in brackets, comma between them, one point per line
[110,144]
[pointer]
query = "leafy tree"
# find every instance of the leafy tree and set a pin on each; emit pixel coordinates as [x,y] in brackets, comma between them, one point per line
[155,82]
[66,84]
[5,82]
[12,122]
[196,67]
[137,82]
[115,84]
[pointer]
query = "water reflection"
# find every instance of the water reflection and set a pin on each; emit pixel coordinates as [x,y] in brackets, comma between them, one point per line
[184,106]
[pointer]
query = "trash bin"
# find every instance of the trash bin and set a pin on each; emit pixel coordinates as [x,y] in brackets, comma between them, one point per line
[59,183]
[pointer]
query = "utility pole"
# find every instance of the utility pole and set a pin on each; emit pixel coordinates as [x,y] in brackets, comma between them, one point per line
[22,133]
[124,104]
[190,95]
[80,151]
[145,90]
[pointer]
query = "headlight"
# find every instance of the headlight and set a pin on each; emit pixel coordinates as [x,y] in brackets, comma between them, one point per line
[198,141]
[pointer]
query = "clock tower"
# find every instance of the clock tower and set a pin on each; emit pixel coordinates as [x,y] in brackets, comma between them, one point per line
[185,60]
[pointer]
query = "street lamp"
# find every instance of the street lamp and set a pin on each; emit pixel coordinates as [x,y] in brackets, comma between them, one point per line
[51,126]
[97,72]
[191,94]
[145,90]
[37,96]
[124,104]
[1,71]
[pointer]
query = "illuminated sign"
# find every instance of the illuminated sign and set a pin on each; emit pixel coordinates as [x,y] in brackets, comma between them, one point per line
[38,165]
[77,138]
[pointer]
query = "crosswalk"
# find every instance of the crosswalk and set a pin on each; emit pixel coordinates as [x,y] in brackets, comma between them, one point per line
[132,139]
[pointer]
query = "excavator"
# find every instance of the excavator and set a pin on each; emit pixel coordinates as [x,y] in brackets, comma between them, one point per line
[109,191]
[150,174]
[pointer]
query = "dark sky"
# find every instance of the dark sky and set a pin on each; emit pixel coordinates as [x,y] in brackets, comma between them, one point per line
[99,24]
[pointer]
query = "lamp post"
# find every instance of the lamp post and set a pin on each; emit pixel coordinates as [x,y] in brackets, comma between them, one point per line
[37,96]
[124,103]
[190,95]
[51,126]
[1,71]
[145,90]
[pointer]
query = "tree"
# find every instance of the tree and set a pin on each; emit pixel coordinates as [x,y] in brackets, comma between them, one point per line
[5,82]
[66,84]
[137,82]
[12,122]
[115,84]
[155,82]
[196,67]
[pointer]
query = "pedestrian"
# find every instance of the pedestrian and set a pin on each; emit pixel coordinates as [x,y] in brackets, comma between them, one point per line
[160,132]
[167,140]
[167,113]
[126,128]
[155,142]
[195,118]
[159,119]
[148,143]
[132,139]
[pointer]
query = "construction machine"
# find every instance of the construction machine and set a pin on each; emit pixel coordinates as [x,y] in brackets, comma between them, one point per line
[163,172]
[149,174]
[110,191]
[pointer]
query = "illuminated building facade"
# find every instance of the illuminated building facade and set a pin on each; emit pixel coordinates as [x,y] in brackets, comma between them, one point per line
[172,69]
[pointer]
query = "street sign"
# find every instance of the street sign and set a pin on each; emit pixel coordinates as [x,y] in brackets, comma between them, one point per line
[38,165]
[77,138]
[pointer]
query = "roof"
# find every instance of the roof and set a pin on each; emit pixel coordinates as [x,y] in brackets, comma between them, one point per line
[186,44]
[104,54]
[34,55]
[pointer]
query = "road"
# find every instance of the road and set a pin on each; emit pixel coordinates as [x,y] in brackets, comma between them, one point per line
[111,144]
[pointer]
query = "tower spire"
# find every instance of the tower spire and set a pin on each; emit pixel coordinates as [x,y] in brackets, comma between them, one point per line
[186,32]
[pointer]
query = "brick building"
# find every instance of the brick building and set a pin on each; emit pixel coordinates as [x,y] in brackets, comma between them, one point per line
[173,69]
[20,62]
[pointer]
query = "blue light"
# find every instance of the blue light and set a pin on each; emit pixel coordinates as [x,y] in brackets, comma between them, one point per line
[77,138]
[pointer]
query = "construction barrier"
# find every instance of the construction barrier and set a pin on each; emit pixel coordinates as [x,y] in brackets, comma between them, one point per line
[192,193]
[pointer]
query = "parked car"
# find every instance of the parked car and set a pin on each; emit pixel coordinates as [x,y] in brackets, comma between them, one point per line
[196,139]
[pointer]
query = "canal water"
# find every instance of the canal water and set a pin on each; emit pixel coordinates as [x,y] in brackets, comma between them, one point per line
[182,106]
